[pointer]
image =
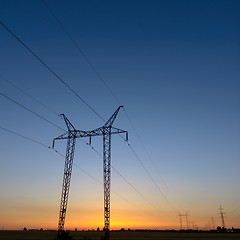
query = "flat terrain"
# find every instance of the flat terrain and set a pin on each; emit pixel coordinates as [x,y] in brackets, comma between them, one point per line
[118,235]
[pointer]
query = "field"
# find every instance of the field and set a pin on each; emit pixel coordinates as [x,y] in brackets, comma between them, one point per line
[118,235]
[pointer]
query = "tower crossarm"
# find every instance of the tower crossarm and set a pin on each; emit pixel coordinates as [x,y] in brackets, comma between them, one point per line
[117,130]
[92,133]
[78,134]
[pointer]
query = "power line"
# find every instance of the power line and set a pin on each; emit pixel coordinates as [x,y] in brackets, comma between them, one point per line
[145,169]
[124,178]
[30,96]
[151,178]
[74,92]
[53,72]
[106,85]
[27,138]
[134,188]
[81,169]
[19,104]
[95,179]
[114,192]
[33,98]
[29,110]
[81,52]
[144,147]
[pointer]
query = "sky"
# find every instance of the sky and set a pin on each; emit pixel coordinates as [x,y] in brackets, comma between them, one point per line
[173,65]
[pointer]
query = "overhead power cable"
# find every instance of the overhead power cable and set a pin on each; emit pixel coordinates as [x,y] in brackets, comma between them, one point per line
[134,188]
[27,138]
[144,148]
[30,96]
[81,169]
[29,110]
[151,178]
[81,51]
[74,92]
[106,85]
[149,175]
[35,141]
[62,129]
[52,71]
[114,192]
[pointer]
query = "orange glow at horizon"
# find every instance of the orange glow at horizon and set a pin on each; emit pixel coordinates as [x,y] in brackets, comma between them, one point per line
[124,218]
[90,216]
[74,220]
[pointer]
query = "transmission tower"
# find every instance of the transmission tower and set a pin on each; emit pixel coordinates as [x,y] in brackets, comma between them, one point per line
[71,135]
[222,216]
[187,215]
[213,224]
[180,218]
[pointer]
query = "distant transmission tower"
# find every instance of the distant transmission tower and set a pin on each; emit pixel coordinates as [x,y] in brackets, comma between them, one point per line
[213,224]
[180,218]
[71,135]
[222,216]
[186,215]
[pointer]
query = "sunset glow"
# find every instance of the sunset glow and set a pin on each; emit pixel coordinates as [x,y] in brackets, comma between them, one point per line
[173,66]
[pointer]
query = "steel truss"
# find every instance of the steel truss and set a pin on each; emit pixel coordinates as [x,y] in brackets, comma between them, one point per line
[71,135]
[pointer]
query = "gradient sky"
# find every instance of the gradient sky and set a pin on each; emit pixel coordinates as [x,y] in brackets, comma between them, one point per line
[173,65]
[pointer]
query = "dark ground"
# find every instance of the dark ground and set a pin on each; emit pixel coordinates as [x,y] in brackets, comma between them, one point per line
[118,235]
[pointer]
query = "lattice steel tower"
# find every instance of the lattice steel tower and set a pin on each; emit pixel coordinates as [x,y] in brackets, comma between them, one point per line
[106,131]
[222,216]
[180,218]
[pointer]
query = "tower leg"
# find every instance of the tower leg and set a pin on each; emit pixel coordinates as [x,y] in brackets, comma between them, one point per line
[106,178]
[66,186]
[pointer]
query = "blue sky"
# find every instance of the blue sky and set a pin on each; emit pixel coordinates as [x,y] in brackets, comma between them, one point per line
[174,65]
